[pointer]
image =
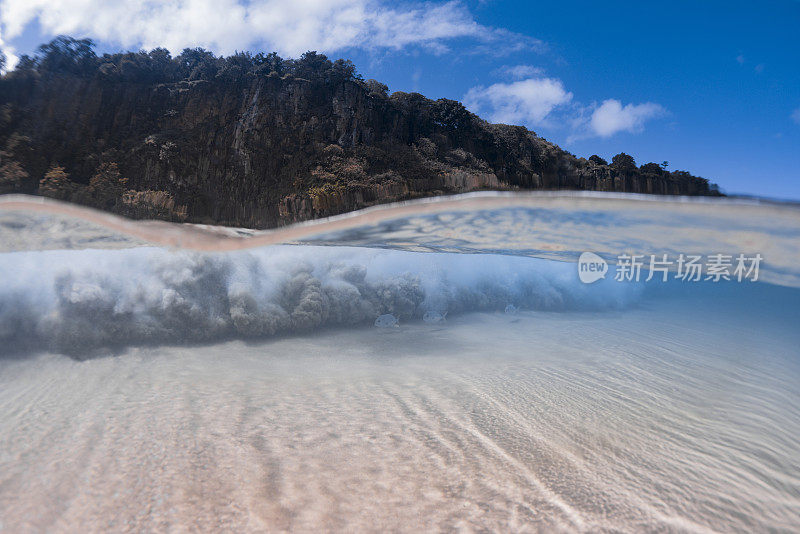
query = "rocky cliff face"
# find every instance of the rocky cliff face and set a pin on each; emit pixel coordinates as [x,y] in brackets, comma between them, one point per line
[258,149]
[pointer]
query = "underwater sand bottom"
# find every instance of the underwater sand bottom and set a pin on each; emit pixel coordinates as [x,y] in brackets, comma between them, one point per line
[535,422]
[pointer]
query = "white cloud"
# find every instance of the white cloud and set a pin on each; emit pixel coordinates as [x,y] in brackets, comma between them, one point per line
[796,115]
[518,72]
[536,101]
[528,101]
[612,117]
[223,26]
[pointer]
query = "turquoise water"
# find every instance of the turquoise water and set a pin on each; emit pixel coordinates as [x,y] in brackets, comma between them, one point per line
[244,386]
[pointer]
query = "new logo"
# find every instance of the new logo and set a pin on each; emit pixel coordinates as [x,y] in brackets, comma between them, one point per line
[591,267]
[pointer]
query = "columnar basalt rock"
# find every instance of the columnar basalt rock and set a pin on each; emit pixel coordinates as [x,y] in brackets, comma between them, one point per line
[274,143]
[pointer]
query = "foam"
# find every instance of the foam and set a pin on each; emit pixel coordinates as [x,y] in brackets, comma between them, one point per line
[71,301]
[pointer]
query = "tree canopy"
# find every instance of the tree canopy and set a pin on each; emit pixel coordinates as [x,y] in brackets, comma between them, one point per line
[623,162]
[72,56]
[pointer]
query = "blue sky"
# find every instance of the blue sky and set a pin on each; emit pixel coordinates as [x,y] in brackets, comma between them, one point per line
[712,87]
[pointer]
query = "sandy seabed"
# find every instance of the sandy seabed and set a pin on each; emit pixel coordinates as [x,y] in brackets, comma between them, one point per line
[584,421]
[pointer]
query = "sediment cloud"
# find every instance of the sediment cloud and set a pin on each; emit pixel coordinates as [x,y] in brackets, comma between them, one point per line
[74,301]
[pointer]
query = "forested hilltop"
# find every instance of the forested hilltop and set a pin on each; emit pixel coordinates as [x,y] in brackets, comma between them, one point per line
[259,141]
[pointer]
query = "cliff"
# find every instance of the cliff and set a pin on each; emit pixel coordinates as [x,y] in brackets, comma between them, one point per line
[259,141]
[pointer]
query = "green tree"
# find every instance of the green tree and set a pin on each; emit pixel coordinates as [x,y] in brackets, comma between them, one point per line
[376,88]
[651,168]
[197,63]
[343,70]
[597,160]
[269,63]
[311,65]
[65,54]
[623,162]
[450,114]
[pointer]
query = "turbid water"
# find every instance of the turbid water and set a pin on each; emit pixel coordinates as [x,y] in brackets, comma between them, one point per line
[157,389]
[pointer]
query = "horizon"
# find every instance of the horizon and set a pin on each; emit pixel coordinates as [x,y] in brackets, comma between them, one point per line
[549,75]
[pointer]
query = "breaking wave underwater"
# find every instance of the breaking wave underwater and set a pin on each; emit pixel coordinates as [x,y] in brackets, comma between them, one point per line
[486,251]
[72,301]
